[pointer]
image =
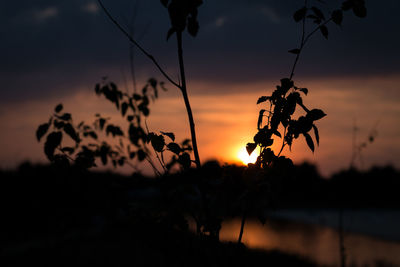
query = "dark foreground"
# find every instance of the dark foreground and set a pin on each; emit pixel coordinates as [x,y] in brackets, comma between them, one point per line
[131,243]
[67,218]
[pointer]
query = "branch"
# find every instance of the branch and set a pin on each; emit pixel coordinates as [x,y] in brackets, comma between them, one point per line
[186,99]
[301,44]
[305,39]
[137,44]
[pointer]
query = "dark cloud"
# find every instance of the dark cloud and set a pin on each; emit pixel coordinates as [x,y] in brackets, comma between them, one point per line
[67,44]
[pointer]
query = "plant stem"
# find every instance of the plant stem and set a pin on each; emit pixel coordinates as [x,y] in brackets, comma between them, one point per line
[303,34]
[186,99]
[341,240]
[242,227]
[283,142]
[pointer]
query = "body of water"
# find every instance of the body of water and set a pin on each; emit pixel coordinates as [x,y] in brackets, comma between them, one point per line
[371,238]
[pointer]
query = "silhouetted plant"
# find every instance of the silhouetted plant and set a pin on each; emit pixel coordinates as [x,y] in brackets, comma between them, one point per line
[133,143]
[278,119]
[357,149]
[183,14]
[285,116]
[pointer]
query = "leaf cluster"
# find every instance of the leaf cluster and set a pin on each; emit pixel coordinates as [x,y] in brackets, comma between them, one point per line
[321,18]
[130,144]
[281,107]
[182,13]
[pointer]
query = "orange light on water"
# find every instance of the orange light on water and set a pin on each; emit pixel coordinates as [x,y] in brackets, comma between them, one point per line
[244,157]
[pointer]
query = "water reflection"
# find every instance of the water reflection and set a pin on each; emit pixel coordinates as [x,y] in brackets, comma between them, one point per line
[318,243]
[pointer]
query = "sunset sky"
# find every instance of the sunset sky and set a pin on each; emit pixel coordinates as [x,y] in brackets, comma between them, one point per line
[56,51]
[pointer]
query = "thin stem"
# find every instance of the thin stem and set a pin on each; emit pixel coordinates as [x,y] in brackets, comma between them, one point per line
[316,29]
[341,240]
[242,227]
[283,142]
[305,38]
[186,99]
[137,44]
[156,171]
[301,44]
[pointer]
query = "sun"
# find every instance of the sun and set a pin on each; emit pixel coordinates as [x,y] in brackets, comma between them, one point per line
[244,157]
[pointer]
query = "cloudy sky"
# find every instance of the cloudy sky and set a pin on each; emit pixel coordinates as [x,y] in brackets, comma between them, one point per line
[55,51]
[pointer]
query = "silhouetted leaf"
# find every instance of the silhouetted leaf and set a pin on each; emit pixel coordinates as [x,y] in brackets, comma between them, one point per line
[97,89]
[121,161]
[304,124]
[360,11]
[69,150]
[193,26]
[164,2]
[263,99]
[286,84]
[278,133]
[309,141]
[85,158]
[304,90]
[132,155]
[114,130]
[318,13]
[92,134]
[174,148]
[324,31]
[337,17]
[162,85]
[58,124]
[58,108]
[153,83]
[101,123]
[158,142]
[141,155]
[184,160]
[52,142]
[316,133]
[124,108]
[260,118]
[103,154]
[186,145]
[300,14]
[170,135]
[42,130]
[250,147]
[263,138]
[316,114]
[130,118]
[295,51]
[113,86]
[65,117]
[69,129]
[292,99]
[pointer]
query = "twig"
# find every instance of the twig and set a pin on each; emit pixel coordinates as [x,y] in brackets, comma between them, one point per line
[137,44]
[305,38]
